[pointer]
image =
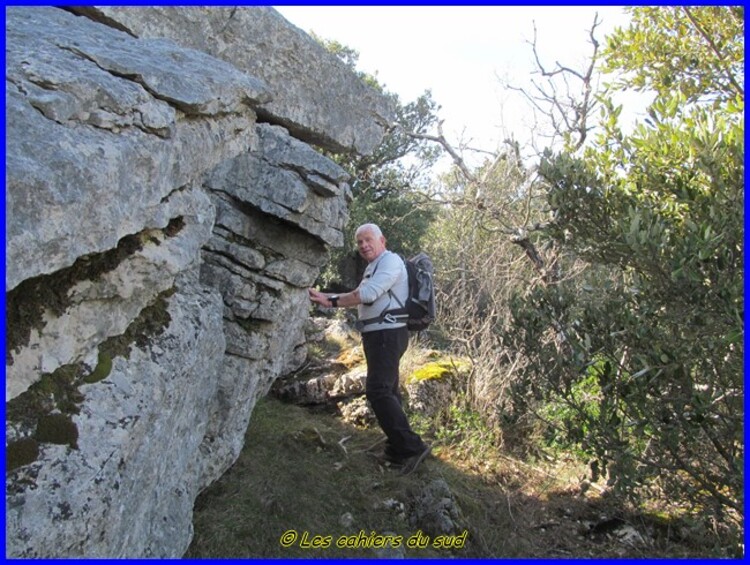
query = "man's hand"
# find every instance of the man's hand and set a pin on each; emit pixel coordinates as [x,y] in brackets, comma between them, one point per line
[344,301]
[319,298]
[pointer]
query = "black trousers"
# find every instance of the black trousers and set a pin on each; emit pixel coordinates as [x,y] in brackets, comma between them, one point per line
[383,352]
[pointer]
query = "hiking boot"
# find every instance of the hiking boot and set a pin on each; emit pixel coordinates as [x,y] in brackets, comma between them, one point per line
[410,464]
[388,459]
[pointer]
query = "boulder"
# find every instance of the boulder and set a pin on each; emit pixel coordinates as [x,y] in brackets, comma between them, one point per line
[125,485]
[434,510]
[102,129]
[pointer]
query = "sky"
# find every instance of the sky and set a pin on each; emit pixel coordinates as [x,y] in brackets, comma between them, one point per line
[463,54]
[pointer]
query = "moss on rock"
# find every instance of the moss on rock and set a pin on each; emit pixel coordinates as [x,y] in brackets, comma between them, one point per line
[47,406]
[150,323]
[102,369]
[57,428]
[20,453]
[438,370]
[27,303]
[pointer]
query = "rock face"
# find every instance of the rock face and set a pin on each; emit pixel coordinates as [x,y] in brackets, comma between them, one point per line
[165,214]
[320,103]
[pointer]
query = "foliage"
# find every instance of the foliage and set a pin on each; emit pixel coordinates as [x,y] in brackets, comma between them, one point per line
[465,427]
[569,415]
[479,266]
[697,53]
[656,216]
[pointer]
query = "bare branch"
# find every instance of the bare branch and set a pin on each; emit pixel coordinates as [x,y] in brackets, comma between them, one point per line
[440,139]
[567,114]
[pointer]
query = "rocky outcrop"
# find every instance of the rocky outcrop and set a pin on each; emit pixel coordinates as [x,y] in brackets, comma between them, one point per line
[337,377]
[433,386]
[320,102]
[165,214]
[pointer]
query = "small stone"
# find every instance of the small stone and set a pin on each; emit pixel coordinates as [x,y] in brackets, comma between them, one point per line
[346,519]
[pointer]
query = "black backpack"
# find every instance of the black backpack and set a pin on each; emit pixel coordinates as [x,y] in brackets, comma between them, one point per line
[420,305]
[419,311]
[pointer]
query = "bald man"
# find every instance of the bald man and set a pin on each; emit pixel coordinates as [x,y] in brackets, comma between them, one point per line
[380,300]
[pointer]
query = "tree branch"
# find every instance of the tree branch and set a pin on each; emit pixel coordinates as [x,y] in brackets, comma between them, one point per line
[715,49]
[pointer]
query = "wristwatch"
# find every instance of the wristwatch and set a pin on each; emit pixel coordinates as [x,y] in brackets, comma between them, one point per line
[334,298]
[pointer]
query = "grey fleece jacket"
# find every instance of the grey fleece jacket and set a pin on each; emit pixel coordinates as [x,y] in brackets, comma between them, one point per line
[387,272]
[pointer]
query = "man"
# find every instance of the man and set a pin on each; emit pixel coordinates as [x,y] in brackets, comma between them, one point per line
[384,288]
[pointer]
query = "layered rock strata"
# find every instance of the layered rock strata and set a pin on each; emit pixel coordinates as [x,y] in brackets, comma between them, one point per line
[165,212]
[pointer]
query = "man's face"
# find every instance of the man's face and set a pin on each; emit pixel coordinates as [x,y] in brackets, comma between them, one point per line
[370,247]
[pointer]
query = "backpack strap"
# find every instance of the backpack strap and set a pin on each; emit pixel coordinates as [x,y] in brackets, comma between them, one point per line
[396,316]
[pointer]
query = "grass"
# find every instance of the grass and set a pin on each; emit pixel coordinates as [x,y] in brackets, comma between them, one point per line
[306,478]
[307,485]
[309,474]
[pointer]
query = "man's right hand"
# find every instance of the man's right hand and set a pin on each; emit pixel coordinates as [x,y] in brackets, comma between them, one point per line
[318,297]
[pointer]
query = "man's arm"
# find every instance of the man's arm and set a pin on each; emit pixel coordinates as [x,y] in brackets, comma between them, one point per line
[344,300]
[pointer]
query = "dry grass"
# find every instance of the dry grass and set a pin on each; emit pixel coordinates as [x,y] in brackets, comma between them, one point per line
[306,472]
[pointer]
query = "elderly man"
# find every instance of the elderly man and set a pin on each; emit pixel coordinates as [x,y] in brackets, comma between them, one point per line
[384,289]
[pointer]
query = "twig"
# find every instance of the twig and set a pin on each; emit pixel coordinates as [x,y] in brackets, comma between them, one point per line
[320,436]
[715,49]
[510,512]
[341,443]
[381,440]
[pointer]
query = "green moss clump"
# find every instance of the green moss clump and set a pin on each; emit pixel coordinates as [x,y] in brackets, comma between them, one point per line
[150,323]
[20,453]
[429,372]
[438,370]
[175,226]
[57,391]
[27,303]
[102,370]
[58,429]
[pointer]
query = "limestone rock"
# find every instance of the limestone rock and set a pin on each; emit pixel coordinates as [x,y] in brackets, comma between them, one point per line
[322,389]
[356,411]
[278,185]
[127,488]
[432,387]
[125,283]
[429,397]
[299,71]
[98,135]
[159,244]
[351,383]
[310,391]
[434,510]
